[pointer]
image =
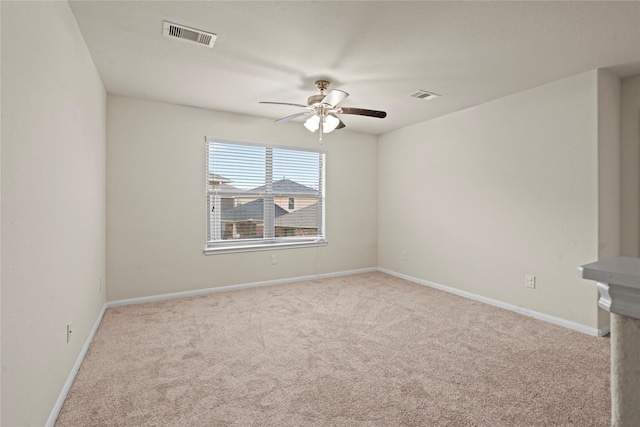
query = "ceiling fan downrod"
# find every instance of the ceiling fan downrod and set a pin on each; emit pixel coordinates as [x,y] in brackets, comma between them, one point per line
[322,85]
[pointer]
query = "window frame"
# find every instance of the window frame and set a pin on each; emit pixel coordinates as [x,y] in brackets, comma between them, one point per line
[213,247]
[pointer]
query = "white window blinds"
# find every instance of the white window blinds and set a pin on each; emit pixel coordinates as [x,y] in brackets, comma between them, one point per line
[250,190]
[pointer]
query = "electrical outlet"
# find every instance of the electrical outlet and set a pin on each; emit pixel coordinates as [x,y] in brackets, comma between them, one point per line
[530,281]
[68,332]
[274,259]
[404,255]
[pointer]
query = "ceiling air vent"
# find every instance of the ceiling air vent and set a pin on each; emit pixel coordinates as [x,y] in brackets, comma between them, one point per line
[203,38]
[423,94]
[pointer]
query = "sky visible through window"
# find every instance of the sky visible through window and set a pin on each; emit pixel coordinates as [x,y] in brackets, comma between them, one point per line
[244,165]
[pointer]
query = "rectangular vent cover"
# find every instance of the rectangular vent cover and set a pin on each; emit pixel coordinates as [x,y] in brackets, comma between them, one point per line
[203,38]
[423,94]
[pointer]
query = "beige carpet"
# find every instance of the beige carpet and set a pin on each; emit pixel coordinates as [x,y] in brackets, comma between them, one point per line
[361,350]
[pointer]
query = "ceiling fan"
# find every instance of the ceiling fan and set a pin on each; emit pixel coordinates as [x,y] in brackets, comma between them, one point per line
[323,109]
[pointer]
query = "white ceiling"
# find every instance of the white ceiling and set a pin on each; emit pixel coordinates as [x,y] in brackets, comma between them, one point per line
[379,52]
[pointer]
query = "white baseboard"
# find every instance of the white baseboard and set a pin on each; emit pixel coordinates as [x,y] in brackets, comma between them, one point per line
[206,291]
[537,315]
[53,416]
[72,375]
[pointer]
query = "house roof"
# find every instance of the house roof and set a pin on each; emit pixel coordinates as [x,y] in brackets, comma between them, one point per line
[226,188]
[286,187]
[213,177]
[252,211]
[306,217]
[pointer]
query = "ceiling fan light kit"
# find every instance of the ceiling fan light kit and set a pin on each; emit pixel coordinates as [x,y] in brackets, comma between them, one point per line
[312,123]
[329,123]
[322,110]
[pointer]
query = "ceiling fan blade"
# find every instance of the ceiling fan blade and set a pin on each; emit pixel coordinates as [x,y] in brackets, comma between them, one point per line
[283,103]
[364,112]
[334,97]
[291,117]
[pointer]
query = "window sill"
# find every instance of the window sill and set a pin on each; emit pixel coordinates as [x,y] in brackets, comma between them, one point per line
[263,247]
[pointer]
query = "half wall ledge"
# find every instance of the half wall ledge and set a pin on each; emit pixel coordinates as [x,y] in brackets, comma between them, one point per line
[619,287]
[618,283]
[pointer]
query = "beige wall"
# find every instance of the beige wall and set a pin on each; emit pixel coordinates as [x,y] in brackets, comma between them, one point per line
[609,215]
[477,199]
[630,166]
[156,215]
[608,106]
[484,196]
[53,204]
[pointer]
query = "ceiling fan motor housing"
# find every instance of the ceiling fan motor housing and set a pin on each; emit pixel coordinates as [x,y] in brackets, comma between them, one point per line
[322,85]
[315,99]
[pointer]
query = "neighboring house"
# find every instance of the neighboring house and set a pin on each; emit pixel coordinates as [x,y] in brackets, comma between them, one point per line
[246,221]
[289,195]
[215,180]
[239,214]
[220,199]
[221,184]
[302,222]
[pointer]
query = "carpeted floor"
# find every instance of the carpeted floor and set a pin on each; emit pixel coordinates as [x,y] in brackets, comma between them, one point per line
[361,350]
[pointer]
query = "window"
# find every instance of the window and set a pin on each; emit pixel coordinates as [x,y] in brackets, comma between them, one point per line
[263,197]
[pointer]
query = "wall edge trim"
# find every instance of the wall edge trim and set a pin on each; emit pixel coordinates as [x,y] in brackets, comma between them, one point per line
[206,291]
[131,301]
[496,303]
[53,416]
